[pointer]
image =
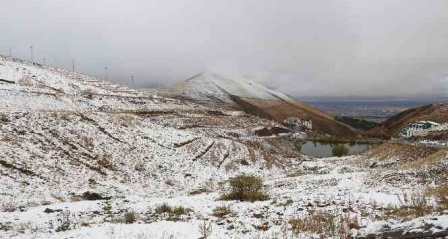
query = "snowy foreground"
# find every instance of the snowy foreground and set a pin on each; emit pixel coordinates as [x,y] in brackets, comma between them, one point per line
[85,158]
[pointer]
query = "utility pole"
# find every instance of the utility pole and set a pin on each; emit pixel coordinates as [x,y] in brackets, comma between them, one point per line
[73,64]
[31,48]
[133,82]
[10,55]
[105,73]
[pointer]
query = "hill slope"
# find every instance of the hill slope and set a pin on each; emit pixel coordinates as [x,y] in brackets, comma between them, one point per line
[84,158]
[255,99]
[392,126]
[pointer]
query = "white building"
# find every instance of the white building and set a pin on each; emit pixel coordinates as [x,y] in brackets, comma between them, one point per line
[299,123]
[421,128]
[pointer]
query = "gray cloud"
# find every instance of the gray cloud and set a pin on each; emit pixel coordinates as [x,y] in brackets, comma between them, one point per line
[301,47]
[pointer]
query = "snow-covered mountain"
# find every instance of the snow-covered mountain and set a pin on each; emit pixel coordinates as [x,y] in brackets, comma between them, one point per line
[213,89]
[84,158]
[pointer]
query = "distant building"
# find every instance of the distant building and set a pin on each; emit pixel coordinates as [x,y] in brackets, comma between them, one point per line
[421,128]
[298,123]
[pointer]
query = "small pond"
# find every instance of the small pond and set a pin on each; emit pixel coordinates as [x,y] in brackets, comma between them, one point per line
[324,149]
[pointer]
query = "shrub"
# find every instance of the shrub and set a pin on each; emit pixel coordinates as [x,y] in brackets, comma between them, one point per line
[246,188]
[164,208]
[4,118]
[221,211]
[129,217]
[92,196]
[89,93]
[65,221]
[92,181]
[48,210]
[107,208]
[180,210]
[9,206]
[339,150]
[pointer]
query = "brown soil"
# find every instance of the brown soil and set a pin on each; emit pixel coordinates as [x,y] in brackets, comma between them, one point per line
[280,110]
[404,152]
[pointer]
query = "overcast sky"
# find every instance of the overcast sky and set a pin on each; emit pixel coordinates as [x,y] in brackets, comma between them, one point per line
[301,47]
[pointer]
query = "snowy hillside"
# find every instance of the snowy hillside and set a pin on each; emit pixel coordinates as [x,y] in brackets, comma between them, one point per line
[212,84]
[217,90]
[84,158]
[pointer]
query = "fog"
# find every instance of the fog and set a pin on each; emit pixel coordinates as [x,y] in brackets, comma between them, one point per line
[303,48]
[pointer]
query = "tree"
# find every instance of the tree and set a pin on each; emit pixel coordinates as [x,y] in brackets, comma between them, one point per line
[339,150]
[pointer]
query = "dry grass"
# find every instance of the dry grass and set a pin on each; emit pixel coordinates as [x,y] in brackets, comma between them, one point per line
[222,211]
[26,81]
[177,211]
[440,193]
[88,142]
[428,160]
[404,152]
[103,161]
[411,206]
[169,213]
[325,224]
[126,120]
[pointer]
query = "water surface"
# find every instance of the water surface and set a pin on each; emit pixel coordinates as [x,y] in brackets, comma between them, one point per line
[323,149]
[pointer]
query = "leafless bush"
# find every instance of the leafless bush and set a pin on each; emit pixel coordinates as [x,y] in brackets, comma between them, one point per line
[205,229]
[65,221]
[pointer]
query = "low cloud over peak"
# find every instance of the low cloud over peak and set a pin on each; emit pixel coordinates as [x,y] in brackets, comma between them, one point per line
[302,47]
